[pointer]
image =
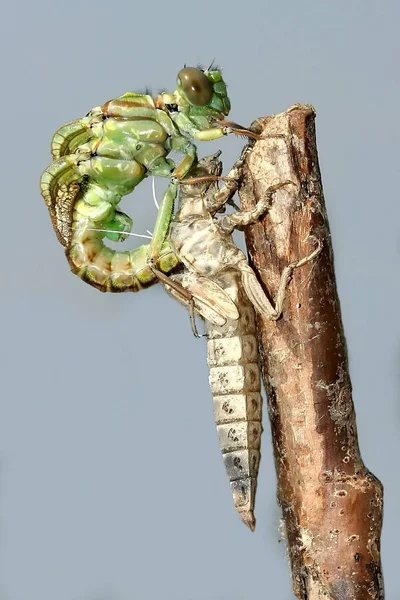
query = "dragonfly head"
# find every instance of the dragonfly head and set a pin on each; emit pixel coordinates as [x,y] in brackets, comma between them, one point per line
[203,91]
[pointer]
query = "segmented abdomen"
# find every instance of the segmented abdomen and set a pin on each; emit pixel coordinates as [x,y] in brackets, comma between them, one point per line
[235,386]
[111,270]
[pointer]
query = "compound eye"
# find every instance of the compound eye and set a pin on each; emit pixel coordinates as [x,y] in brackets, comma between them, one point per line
[196,86]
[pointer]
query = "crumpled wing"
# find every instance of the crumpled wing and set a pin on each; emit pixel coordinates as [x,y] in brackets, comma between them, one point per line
[60,186]
[211,302]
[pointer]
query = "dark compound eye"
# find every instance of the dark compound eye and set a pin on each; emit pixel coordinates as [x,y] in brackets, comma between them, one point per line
[196,86]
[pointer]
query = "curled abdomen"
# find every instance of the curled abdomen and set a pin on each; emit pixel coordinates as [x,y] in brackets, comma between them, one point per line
[81,206]
[235,386]
[111,270]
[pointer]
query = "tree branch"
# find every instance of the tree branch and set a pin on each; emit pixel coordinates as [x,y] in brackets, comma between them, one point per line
[331,504]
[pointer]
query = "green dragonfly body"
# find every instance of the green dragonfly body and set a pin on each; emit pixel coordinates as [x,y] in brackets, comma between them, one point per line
[100,158]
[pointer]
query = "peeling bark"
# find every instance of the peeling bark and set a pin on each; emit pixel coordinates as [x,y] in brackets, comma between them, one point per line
[331,504]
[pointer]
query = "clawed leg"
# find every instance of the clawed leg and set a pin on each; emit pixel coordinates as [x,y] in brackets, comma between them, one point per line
[244,217]
[285,277]
[214,202]
[244,131]
[239,129]
[232,181]
[201,179]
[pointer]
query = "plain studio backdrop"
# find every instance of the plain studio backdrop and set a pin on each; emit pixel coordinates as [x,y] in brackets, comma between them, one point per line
[112,485]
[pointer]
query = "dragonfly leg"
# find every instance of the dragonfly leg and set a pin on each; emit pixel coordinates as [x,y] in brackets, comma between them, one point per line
[285,277]
[243,131]
[192,318]
[256,294]
[228,190]
[244,217]
[215,202]
[163,221]
[181,143]
[238,129]
[201,179]
[159,235]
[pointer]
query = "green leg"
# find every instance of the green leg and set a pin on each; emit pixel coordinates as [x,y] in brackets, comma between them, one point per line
[120,223]
[164,168]
[163,221]
[159,236]
[182,144]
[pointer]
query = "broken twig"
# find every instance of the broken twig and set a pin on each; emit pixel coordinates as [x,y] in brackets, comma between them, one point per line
[331,504]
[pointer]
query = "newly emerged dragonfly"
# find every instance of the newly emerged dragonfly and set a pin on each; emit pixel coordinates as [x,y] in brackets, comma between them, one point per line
[224,290]
[100,158]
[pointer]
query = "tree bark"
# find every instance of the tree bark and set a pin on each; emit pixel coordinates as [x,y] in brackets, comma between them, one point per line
[331,504]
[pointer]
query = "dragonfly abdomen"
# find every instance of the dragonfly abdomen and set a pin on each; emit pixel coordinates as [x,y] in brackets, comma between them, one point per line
[111,270]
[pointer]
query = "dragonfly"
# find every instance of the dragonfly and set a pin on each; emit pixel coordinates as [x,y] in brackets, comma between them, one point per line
[225,292]
[104,156]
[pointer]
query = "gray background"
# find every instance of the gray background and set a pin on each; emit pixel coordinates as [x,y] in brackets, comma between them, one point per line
[112,484]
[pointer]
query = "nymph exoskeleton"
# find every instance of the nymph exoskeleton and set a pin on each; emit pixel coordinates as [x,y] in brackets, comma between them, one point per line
[102,157]
[225,291]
